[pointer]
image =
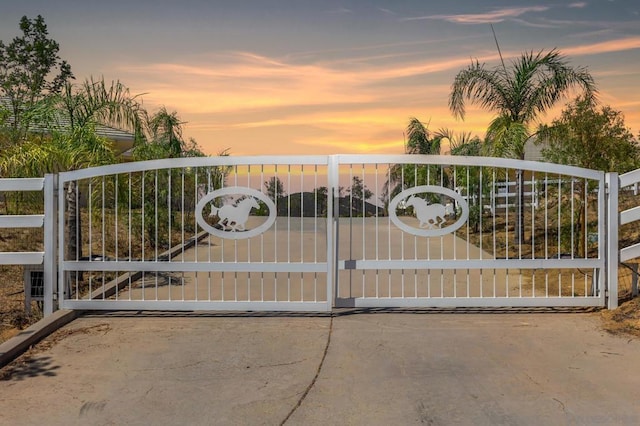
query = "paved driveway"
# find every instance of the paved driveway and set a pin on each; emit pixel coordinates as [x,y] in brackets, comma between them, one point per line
[355,368]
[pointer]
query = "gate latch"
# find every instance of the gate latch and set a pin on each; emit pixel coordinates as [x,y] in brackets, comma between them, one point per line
[350,264]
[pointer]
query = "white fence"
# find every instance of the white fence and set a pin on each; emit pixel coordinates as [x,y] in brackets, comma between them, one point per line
[45,220]
[311,233]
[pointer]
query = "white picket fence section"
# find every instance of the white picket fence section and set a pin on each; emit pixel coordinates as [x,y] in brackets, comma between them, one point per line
[46,221]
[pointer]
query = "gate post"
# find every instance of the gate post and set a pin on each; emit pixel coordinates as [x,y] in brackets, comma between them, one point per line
[50,258]
[332,231]
[612,253]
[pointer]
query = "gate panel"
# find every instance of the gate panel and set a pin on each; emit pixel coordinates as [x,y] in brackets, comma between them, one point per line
[309,233]
[246,233]
[440,231]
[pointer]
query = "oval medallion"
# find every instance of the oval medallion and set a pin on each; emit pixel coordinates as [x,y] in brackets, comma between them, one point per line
[433,218]
[233,216]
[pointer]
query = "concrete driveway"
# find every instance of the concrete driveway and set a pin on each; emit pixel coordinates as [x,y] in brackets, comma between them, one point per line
[355,368]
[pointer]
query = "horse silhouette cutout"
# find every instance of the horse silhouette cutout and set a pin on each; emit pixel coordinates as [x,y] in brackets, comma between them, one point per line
[429,215]
[234,217]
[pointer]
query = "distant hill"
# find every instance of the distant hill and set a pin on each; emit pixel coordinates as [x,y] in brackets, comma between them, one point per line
[304,204]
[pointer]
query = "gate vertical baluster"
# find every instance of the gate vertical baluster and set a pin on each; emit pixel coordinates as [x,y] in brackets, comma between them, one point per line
[469,198]
[249,241]
[169,233]
[364,234]
[481,205]
[129,236]
[182,188]
[377,228]
[288,230]
[90,219]
[104,232]
[573,248]
[142,227]
[315,230]
[559,232]
[115,205]
[275,235]
[493,214]
[481,214]
[546,231]
[155,214]
[533,231]
[506,230]
[415,248]
[196,172]
[302,191]
[586,232]
[262,237]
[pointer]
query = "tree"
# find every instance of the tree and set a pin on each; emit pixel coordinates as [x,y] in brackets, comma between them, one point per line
[95,102]
[468,178]
[30,69]
[71,141]
[518,95]
[166,129]
[358,194]
[321,195]
[593,138]
[57,152]
[359,190]
[420,141]
[274,188]
[590,137]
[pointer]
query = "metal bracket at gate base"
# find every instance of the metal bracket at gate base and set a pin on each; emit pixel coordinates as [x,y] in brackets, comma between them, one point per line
[350,264]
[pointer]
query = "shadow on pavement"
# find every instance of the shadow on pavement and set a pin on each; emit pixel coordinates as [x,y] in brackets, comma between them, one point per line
[29,367]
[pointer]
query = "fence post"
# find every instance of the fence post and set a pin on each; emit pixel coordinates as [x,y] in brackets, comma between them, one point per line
[612,252]
[50,258]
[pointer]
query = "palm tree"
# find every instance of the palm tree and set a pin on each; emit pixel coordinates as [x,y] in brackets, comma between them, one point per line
[57,152]
[166,129]
[71,117]
[533,84]
[94,102]
[422,142]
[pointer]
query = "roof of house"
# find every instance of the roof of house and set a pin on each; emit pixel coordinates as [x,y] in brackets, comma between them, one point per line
[124,139]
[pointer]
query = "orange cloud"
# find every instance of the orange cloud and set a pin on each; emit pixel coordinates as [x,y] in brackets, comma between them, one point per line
[617,45]
[257,104]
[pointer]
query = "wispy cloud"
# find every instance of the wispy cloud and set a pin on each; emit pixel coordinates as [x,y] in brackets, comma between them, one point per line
[318,105]
[497,15]
[243,80]
[386,11]
[340,11]
[618,45]
[577,5]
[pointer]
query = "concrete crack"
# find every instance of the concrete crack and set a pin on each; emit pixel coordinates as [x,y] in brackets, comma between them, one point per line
[315,378]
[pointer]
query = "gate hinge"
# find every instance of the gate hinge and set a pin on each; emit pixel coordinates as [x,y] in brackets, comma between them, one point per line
[350,264]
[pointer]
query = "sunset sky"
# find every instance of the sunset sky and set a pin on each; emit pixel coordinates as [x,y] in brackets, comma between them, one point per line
[325,77]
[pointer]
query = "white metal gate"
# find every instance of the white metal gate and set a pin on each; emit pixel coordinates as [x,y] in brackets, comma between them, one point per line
[242,233]
[432,235]
[314,232]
